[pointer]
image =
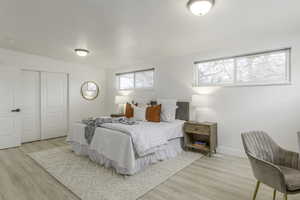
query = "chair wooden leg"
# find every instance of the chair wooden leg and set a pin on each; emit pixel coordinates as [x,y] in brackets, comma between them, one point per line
[285,197]
[274,194]
[256,190]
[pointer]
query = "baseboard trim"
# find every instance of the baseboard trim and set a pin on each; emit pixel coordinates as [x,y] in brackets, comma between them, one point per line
[231,151]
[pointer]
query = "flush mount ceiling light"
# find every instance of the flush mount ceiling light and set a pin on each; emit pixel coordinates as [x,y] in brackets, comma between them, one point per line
[200,7]
[82,52]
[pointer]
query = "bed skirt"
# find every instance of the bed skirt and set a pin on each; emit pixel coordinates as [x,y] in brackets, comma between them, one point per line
[171,150]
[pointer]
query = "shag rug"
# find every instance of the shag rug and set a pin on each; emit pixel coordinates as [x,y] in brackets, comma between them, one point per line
[90,181]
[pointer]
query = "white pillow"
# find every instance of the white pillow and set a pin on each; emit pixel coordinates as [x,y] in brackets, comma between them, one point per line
[167,102]
[139,113]
[168,109]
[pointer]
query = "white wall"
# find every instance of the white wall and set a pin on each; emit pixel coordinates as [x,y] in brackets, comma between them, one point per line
[79,107]
[275,109]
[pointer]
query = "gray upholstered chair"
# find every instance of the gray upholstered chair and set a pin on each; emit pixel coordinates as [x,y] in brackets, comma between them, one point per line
[271,164]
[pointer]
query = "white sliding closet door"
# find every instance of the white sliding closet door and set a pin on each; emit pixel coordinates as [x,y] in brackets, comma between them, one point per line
[31,117]
[54,102]
[10,120]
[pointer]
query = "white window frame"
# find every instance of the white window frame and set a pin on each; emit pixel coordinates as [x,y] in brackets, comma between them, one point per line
[117,75]
[287,80]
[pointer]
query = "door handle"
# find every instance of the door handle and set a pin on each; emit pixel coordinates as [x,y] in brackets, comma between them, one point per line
[16,110]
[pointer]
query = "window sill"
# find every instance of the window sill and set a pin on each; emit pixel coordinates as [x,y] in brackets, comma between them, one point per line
[246,85]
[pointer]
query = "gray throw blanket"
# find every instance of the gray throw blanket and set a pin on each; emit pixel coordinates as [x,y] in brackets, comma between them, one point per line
[90,128]
[92,124]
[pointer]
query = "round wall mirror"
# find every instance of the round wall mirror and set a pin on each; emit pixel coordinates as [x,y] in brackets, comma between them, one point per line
[89,90]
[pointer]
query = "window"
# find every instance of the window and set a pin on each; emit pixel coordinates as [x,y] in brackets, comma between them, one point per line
[126,81]
[272,67]
[135,80]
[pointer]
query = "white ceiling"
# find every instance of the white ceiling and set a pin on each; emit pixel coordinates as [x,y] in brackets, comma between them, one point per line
[125,32]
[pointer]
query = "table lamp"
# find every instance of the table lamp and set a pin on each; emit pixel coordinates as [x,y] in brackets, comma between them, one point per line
[121,101]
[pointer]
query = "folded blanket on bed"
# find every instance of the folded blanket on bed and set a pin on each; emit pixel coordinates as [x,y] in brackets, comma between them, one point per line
[92,124]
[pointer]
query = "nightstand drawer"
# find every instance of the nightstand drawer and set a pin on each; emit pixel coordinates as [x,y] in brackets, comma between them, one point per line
[205,130]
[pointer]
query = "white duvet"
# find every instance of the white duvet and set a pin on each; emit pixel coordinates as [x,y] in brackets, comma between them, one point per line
[146,136]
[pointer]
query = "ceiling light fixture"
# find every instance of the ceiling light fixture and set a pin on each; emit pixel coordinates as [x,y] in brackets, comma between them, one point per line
[82,52]
[200,7]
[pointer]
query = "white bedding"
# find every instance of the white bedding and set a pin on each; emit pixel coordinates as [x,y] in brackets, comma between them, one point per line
[118,147]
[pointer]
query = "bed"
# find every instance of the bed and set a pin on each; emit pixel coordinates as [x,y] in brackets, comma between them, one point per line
[113,148]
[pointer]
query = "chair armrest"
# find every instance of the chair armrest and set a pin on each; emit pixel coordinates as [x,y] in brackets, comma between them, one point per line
[268,173]
[289,159]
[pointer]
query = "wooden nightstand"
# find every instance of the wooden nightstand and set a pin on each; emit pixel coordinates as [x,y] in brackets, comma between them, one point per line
[200,136]
[117,115]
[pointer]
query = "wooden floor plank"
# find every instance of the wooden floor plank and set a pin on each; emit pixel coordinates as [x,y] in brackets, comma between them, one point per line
[217,178]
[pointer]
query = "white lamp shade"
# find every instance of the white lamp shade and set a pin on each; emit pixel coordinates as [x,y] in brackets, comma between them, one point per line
[121,99]
[196,100]
[201,100]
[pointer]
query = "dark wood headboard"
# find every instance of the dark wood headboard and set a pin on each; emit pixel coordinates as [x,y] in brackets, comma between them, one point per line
[183,110]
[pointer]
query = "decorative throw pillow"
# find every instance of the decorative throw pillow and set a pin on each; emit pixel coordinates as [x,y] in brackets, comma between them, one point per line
[153,113]
[129,111]
[139,113]
[168,109]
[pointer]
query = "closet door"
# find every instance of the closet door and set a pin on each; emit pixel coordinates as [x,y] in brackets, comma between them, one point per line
[31,105]
[10,123]
[54,100]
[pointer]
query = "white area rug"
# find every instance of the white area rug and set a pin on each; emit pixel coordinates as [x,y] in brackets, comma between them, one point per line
[90,181]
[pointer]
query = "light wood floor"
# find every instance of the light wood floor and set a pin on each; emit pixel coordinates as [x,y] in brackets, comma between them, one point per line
[216,178]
